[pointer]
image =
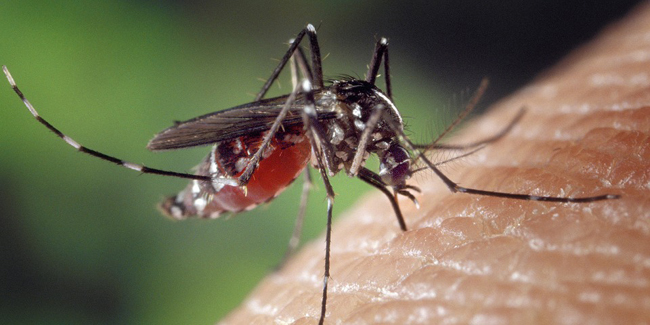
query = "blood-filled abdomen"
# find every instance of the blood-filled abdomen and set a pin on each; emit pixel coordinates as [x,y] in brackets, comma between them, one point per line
[286,156]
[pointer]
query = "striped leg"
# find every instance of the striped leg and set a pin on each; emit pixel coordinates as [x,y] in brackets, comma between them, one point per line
[94,153]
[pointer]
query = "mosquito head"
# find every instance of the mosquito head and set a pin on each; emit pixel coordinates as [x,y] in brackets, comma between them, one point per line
[395,165]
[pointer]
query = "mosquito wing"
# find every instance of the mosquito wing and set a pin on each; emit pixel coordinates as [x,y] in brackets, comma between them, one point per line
[231,123]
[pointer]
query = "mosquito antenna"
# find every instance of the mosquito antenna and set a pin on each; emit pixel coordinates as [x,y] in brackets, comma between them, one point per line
[515,120]
[440,163]
[468,109]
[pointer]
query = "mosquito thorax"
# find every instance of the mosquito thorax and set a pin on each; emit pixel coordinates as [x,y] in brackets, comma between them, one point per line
[356,100]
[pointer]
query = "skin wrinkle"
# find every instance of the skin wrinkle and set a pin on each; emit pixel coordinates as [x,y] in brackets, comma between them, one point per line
[471,259]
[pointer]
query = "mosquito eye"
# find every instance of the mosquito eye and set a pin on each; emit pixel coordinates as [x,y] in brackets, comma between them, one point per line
[394,165]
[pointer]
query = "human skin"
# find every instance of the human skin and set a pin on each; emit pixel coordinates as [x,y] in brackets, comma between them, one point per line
[473,259]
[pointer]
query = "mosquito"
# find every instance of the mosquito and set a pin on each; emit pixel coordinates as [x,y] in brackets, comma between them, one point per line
[258,149]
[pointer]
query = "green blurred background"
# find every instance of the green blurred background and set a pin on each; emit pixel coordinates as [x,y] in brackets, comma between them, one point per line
[81,240]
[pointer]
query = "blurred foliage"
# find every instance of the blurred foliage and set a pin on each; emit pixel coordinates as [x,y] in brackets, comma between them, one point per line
[82,241]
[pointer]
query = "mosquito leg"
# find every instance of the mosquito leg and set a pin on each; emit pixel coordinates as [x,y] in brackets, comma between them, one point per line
[255,159]
[310,121]
[373,179]
[467,154]
[306,185]
[299,63]
[318,154]
[283,62]
[318,78]
[328,242]
[97,154]
[294,71]
[302,210]
[479,143]
[315,73]
[363,141]
[389,87]
[328,232]
[454,187]
[380,51]
[375,62]
[316,60]
[320,148]
[301,60]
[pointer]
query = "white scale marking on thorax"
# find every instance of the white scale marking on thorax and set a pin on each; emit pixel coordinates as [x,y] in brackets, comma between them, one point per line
[392,106]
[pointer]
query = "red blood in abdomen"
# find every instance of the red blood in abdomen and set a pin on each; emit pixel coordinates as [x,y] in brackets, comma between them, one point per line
[272,176]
